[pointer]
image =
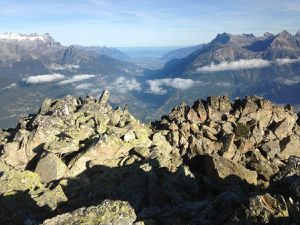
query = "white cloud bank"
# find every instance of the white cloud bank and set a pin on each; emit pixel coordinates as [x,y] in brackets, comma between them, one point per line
[84,86]
[76,78]
[124,85]
[245,64]
[70,67]
[12,85]
[286,61]
[235,65]
[46,78]
[288,81]
[156,86]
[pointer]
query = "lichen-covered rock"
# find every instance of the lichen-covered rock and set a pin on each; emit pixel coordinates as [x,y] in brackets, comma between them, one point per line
[266,208]
[50,167]
[107,213]
[14,181]
[51,198]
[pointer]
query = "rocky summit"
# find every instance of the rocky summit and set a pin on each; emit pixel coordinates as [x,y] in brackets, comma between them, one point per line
[79,161]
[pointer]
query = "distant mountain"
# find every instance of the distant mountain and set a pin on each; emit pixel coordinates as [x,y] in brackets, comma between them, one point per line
[111,52]
[22,55]
[228,47]
[181,52]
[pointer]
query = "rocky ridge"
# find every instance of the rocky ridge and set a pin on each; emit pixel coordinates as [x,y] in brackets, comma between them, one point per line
[78,161]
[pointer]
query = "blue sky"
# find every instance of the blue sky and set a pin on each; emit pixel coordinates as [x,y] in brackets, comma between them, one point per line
[124,23]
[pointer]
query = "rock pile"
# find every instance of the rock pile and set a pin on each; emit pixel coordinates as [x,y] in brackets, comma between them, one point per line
[216,162]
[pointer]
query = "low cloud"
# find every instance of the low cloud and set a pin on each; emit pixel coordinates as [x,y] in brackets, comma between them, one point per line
[124,85]
[223,84]
[245,64]
[76,78]
[46,78]
[84,86]
[286,61]
[70,67]
[288,82]
[236,65]
[12,85]
[157,86]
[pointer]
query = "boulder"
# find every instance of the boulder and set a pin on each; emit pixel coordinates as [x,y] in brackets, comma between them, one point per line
[103,100]
[16,181]
[214,102]
[214,213]
[51,198]
[249,105]
[130,135]
[50,167]
[62,146]
[105,149]
[290,146]
[14,156]
[229,148]
[178,113]
[220,168]
[193,117]
[200,109]
[225,104]
[284,128]
[266,208]
[271,148]
[107,213]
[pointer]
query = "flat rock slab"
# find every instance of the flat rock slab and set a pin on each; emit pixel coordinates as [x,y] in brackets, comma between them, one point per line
[220,168]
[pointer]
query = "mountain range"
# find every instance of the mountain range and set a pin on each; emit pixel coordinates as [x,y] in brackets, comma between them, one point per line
[33,67]
[22,55]
[227,48]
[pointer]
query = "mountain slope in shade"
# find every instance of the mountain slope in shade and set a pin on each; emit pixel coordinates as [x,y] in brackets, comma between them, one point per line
[108,51]
[181,52]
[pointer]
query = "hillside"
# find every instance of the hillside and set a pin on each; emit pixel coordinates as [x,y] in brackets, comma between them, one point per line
[79,161]
[181,52]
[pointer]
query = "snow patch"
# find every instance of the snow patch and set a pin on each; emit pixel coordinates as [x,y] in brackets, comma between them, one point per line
[24,37]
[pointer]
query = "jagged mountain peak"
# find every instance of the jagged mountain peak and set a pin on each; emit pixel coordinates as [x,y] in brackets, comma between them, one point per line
[251,35]
[284,35]
[222,38]
[267,35]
